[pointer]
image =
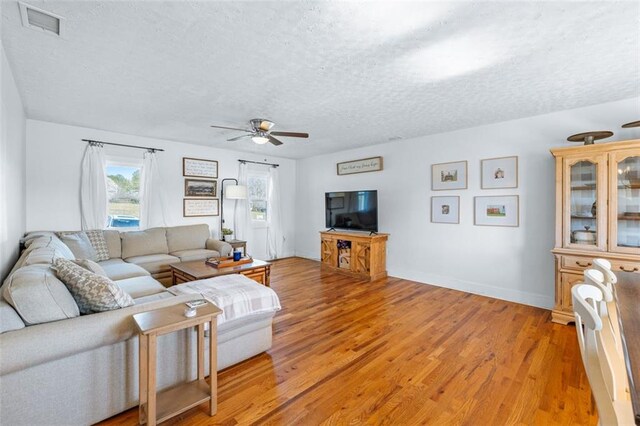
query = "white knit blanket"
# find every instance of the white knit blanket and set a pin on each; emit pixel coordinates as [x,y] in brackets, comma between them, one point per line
[237,295]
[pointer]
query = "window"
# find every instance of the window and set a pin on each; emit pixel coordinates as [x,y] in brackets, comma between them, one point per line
[257,185]
[123,191]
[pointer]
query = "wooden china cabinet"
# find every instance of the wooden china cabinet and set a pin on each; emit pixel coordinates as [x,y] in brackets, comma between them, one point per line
[597,214]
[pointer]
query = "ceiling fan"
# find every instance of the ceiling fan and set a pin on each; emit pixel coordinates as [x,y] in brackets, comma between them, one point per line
[261,132]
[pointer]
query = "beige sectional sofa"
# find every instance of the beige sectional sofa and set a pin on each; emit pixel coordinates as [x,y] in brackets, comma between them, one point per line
[60,367]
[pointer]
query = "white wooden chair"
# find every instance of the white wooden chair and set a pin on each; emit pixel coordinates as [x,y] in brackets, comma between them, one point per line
[597,363]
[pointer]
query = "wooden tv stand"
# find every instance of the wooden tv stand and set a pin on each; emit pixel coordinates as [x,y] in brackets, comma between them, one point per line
[365,257]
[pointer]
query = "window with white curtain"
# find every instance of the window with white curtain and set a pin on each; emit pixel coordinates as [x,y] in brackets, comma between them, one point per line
[123,191]
[257,193]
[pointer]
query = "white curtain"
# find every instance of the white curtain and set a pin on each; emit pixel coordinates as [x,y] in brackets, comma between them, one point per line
[152,203]
[275,237]
[242,215]
[93,188]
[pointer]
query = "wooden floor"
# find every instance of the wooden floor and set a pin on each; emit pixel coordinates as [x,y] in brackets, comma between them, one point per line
[397,352]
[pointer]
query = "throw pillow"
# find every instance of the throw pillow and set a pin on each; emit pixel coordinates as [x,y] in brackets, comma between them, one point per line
[99,243]
[79,244]
[92,292]
[92,266]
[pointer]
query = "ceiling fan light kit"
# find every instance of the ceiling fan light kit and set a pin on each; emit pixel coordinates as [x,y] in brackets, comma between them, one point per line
[261,133]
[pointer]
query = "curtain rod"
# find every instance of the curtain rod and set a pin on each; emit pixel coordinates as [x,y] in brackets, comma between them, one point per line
[121,144]
[258,162]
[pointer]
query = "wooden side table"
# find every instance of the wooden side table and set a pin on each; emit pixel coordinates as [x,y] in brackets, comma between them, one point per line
[158,407]
[237,244]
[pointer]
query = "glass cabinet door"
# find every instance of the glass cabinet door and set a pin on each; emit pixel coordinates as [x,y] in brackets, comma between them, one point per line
[625,201]
[585,193]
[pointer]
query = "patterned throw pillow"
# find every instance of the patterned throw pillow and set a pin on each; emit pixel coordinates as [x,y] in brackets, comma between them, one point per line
[92,293]
[99,243]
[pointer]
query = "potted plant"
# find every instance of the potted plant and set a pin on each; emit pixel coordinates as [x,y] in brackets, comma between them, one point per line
[226,232]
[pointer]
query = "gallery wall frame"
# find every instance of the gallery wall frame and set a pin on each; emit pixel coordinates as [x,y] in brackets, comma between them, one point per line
[499,173]
[449,176]
[200,207]
[445,209]
[200,188]
[198,167]
[500,210]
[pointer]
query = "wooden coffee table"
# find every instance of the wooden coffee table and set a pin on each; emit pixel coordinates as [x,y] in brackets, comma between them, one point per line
[183,272]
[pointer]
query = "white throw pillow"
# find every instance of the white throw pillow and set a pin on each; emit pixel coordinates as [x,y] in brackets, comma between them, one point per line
[92,292]
[92,266]
[79,244]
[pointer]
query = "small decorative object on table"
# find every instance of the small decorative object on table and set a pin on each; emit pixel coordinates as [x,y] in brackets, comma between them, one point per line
[226,232]
[237,255]
[227,262]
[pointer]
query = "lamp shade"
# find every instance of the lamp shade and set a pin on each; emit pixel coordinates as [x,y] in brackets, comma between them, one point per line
[235,192]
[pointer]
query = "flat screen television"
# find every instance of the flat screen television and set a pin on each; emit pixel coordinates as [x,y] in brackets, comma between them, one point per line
[353,210]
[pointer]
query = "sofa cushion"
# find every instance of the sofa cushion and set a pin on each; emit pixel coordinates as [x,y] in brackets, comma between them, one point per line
[118,269]
[187,237]
[153,297]
[38,296]
[42,256]
[142,243]
[90,265]
[154,263]
[140,286]
[9,318]
[79,244]
[195,254]
[92,292]
[113,243]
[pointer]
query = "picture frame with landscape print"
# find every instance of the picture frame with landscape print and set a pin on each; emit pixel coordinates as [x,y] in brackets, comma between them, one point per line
[200,188]
[448,176]
[499,173]
[501,210]
[445,209]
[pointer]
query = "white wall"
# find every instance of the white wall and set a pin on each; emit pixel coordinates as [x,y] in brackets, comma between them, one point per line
[54,154]
[12,169]
[507,263]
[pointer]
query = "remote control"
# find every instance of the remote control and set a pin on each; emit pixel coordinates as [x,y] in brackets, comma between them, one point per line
[196,303]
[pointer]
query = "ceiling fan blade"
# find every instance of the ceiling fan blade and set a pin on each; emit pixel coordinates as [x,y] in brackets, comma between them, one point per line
[274,141]
[232,128]
[238,137]
[291,134]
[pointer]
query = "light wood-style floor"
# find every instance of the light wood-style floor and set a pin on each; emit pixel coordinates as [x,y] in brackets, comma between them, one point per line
[398,352]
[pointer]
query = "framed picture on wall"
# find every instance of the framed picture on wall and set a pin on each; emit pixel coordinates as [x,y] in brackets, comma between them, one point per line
[499,173]
[196,167]
[497,211]
[200,188]
[445,209]
[198,207]
[448,176]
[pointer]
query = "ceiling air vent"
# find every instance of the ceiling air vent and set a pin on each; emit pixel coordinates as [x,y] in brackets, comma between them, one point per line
[40,20]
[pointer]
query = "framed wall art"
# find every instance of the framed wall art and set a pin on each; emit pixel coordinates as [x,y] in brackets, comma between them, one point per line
[445,209]
[497,211]
[373,164]
[195,167]
[499,173]
[200,188]
[447,176]
[198,207]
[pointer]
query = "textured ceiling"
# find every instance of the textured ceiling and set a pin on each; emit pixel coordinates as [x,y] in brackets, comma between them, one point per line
[350,74]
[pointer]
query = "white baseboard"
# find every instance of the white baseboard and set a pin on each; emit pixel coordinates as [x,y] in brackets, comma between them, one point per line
[511,295]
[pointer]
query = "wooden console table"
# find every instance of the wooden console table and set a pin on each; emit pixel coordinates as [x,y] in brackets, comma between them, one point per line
[365,257]
[158,407]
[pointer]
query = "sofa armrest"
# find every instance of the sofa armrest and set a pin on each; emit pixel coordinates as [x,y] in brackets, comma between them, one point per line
[220,246]
[42,343]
